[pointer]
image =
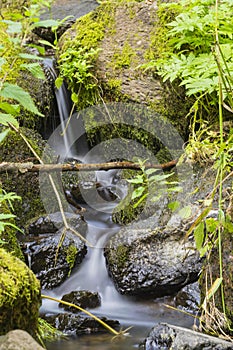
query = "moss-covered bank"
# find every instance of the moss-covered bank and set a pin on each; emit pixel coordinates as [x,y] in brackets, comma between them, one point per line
[14,149]
[19,295]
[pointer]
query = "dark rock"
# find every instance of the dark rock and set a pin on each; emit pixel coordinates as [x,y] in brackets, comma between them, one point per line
[78,324]
[71,10]
[165,337]
[152,261]
[50,269]
[83,298]
[188,298]
[13,149]
[87,192]
[53,222]
[18,339]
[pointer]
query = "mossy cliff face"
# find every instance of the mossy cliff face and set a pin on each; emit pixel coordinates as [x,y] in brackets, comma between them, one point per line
[14,149]
[19,295]
[128,35]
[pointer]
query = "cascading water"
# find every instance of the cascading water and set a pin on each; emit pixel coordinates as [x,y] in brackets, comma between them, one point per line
[92,274]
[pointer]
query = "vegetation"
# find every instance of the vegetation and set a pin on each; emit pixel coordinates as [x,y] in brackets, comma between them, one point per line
[198,55]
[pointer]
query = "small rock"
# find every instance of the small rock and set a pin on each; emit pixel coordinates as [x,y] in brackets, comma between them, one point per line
[72,324]
[82,298]
[18,339]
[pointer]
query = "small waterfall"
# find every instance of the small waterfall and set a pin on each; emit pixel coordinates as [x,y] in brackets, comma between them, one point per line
[64,108]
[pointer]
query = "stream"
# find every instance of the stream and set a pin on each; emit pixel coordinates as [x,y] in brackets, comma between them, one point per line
[92,274]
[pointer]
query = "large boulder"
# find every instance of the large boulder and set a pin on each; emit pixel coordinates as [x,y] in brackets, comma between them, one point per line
[165,336]
[52,255]
[152,262]
[20,298]
[126,36]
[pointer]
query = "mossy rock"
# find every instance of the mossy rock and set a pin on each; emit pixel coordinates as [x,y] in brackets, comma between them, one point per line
[19,296]
[128,35]
[26,185]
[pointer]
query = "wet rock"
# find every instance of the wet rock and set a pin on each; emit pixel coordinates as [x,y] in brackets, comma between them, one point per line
[165,336]
[53,222]
[188,298]
[20,296]
[83,298]
[53,266]
[87,192]
[18,339]
[153,262]
[69,9]
[72,324]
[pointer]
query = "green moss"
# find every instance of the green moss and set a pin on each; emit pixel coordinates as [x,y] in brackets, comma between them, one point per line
[123,58]
[19,295]
[71,254]
[85,37]
[121,255]
[24,185]
[158,43]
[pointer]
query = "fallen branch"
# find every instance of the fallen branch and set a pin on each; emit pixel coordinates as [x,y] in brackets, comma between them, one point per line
[31,167]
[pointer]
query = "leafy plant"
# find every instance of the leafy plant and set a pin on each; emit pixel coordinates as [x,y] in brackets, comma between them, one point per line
[199,55]
[76,66]
[151,184]
[5,218]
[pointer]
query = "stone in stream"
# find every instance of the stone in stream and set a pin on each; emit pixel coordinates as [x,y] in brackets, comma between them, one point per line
[50,264]
[73,324]
[165,336]
[152,262]
[82,298]
[52,222]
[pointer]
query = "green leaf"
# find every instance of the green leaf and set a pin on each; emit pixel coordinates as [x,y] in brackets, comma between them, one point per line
[3,134]
[137,180]
[59,82]
[8,118]
[47,23]
[35,69]
[47,43]
[15,92]
[29,56]
[10,108]
[13,27]
[140,200]
[174,205]
[6,216]
[138,192]
[185,212]
[213,289]
[199,235]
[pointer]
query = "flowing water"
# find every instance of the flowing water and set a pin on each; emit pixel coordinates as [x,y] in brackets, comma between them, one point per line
[129,311]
